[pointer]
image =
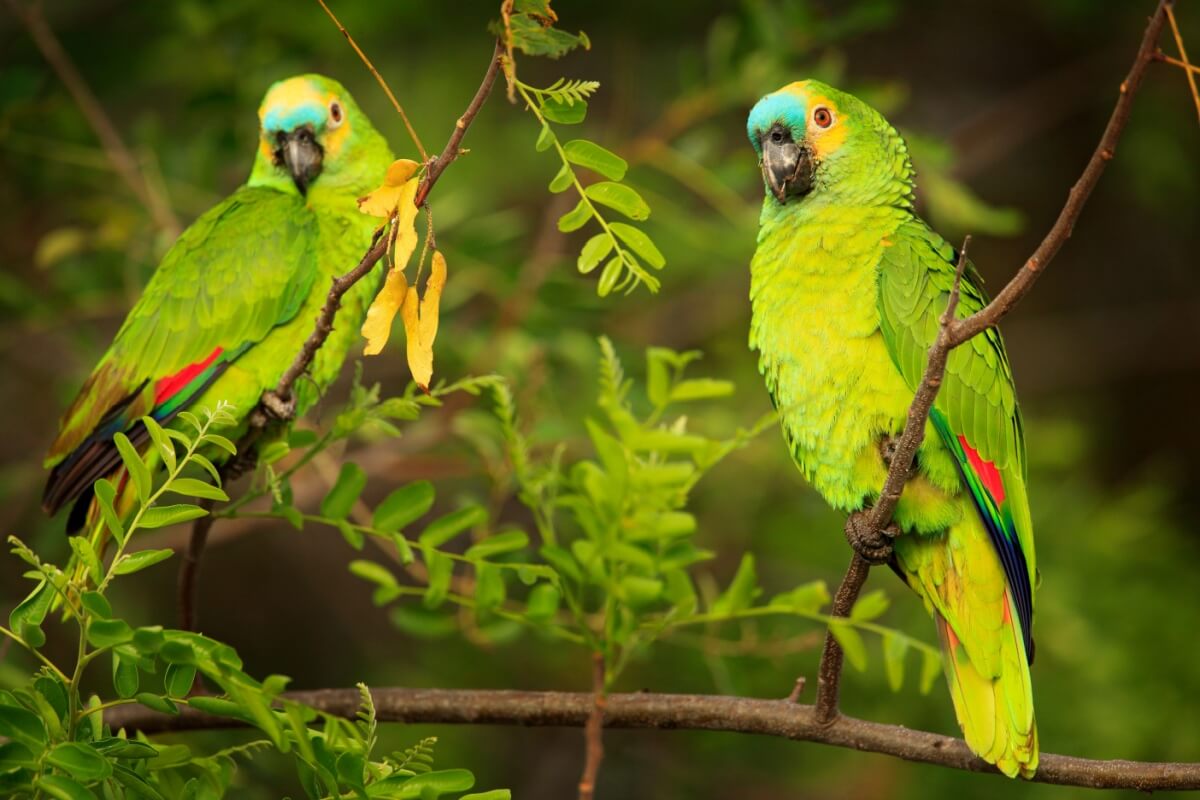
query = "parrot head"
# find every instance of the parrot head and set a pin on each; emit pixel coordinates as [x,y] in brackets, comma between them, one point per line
[812,139]
[310,127]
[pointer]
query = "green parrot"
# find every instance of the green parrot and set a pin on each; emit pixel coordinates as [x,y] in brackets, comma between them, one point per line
[234,298]
[847,286]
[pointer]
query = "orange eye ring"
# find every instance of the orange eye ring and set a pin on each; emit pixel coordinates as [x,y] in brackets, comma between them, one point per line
[822,117]
[336,114]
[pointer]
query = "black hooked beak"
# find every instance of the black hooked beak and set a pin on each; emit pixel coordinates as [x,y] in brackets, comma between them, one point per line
[300,153]
[787,167]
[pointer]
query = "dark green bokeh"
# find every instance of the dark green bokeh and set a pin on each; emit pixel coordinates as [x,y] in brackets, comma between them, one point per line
[1006,98]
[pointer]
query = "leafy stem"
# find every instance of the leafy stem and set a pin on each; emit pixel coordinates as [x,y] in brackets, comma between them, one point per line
[535,101]
[35,651]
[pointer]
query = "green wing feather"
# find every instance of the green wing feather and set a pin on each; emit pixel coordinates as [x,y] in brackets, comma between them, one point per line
[241,269]
[977,399]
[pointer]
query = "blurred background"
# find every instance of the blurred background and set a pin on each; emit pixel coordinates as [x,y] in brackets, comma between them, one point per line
[1002,103]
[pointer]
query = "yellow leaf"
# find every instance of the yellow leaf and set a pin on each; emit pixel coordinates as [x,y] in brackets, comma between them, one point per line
[377,327]
[384,200]
[420,316]
[405,233]
[378,324]
[400,170]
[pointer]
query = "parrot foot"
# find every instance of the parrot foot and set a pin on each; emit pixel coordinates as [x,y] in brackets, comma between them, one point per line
[888,446]
[278,407]
[874,546]
[239,465]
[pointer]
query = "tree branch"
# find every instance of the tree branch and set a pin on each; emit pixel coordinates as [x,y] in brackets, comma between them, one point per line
[118,153]
[279,403]
[829,673]
[594,731]
[778,718]
[952,333]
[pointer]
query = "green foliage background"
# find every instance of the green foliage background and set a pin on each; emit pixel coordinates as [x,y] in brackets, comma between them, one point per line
[1105,350]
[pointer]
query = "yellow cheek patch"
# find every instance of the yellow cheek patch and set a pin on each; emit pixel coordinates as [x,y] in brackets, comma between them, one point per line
[336,139]
[825,141]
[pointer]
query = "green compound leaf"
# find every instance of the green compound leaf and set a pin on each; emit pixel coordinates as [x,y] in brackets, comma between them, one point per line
[136,562]
[852,644]
[594,252]
[403,506]
[162,516]
[576,218]
[619,197]
[640,243]
[341,498]
[138,471]
[596,158]
[894,649]
[562,112]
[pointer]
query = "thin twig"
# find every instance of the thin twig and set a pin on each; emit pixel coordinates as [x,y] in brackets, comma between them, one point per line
[778,717]
[593,731]
[189,567]
[1166,59]
[118,153]
[1187,65]
[412,132]
[953,332]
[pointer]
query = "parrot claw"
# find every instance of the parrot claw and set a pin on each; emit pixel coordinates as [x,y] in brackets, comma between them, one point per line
[277,407]
[874,546]
[888,446]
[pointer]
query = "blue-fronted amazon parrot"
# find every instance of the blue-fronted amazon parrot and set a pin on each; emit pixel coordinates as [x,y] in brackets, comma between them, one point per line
[229,307]
[847,287]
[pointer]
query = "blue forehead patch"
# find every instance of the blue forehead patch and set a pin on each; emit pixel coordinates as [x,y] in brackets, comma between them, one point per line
[776,107]
[289,118]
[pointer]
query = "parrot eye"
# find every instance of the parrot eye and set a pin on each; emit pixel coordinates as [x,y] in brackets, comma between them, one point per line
[823,117]
[336,115]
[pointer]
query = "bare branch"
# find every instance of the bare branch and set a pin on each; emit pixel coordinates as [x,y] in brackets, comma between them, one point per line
[1166,59]
[829,673]
[1188,69]
[594,731]
[189,567]
[780,718]
[118,153]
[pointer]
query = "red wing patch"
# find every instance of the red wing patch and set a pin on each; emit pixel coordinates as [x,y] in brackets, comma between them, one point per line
[989,476]
[167,387]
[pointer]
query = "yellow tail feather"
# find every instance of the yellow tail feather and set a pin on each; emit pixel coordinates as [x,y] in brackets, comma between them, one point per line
[995,714]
